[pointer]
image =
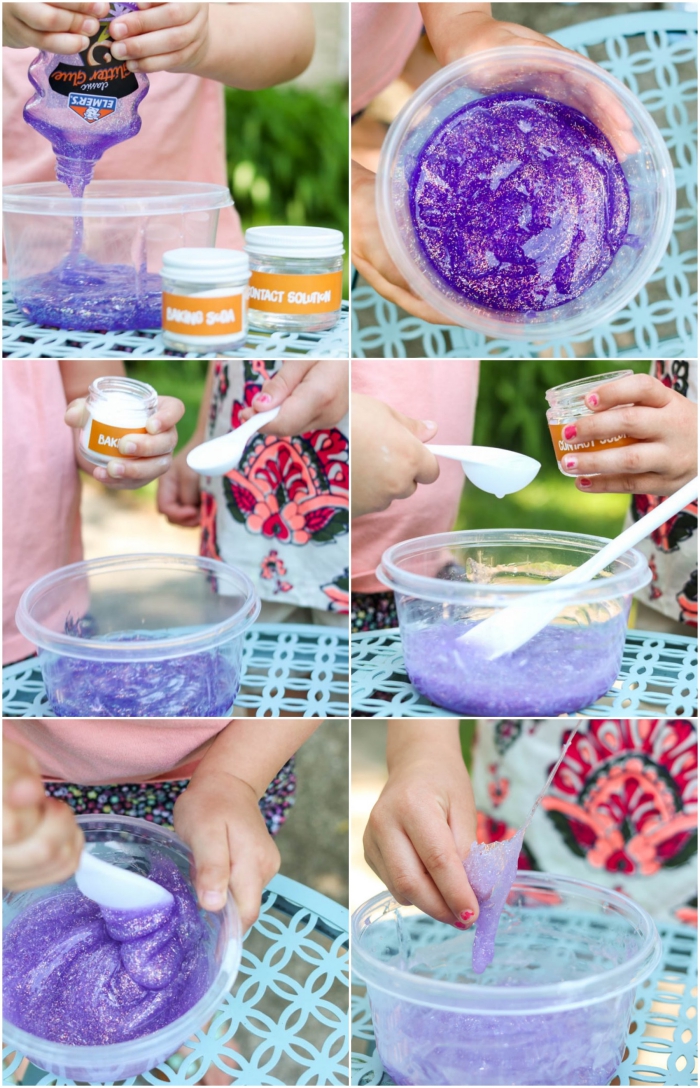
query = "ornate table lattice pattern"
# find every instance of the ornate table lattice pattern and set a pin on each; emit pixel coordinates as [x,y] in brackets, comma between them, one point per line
[662,1038]
[288,1008]
[658,675]
[654,54]
[23,340]
[288,668]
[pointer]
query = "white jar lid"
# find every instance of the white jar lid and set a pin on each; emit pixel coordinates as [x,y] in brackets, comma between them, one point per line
[294,242]
[195,265]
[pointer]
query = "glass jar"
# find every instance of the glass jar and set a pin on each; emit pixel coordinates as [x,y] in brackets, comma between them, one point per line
[116,407]
[296,280]
[568,404]
[205,299]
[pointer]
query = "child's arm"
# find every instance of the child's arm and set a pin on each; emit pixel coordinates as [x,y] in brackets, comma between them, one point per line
[149,455]
[41,842]
[57,28]
[218,814]
[664,458]
[179,491]
[424,823]
[312,395]
[243,45]
[388,459]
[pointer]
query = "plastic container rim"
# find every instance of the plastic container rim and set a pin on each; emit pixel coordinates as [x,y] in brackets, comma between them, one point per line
[149,650]
[626,581]
[501,324]
[103,199]
[115,1054]
[524,1000]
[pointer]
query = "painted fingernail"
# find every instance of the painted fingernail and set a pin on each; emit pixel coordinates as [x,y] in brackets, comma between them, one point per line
[570,432]
[570,463]
[466,915]
[263,398]
[115,469]
[460,925]
[592,400]
[583,481]
[128,447]
[118,30]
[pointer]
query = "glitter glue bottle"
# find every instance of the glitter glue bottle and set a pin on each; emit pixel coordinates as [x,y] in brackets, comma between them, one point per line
[85,103]
[116,407]
[568,404]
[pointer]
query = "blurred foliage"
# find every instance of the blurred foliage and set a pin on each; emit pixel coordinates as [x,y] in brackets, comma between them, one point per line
[511,414]
[287,150]
[183,378]
[467,730]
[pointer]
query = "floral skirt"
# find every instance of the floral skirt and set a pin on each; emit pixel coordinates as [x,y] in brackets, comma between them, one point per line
[155,801]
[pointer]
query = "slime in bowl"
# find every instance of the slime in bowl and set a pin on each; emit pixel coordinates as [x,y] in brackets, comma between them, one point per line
[98,995]
[446,583]
[525,194]
[140,635]
[553,1008]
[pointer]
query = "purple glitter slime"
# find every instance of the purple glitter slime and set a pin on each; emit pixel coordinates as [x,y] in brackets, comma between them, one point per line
[561,670]
[79,974]
[491,869]
[519,202]
[201,685]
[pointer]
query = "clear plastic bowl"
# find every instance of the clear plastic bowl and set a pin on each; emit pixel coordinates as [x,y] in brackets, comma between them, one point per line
[553,1008]
[130,844]
[564,77]
[125,224]
[140,635]
[446,583]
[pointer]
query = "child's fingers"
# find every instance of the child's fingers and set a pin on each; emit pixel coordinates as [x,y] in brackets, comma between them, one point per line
[402,297]
[634,421]
[639,389]
[50,855]
[150,18]
[135,473]
[209,844]
[26,790]
[169,412]
[179,498]
[642,484]
[60,18]
[146,445]
[642,457]
[435,845]
[250,872]
[405,876]
[77,414]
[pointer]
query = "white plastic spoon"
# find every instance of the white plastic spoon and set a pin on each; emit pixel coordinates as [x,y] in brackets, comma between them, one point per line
[511,627]
[219,455]
[116,888]
[500,472]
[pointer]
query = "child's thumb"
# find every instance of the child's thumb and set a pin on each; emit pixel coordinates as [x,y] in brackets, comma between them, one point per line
[423,429]
[77,414]
[276,389]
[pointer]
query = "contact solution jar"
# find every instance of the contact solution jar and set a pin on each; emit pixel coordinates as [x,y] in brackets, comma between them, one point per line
[296,280]
[116,407]
[568,404]
[205,299]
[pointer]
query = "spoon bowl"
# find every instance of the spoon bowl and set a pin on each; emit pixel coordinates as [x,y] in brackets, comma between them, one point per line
[220,455]
[117,888]
[499,472]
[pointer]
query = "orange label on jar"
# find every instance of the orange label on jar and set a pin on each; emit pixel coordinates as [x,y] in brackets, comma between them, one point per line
[278,294]
[203,316]
[105,439]
[562,445]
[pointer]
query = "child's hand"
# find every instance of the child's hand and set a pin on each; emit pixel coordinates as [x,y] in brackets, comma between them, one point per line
[423,825]
[312,395]
[389,459]
[149,455]
[219,818]
[41,840]
[641,407]
[162,37]
[179,492]
[371,257]
[57,28]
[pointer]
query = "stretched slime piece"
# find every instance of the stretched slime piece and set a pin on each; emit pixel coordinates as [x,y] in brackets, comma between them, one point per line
[491,869]
[85,975]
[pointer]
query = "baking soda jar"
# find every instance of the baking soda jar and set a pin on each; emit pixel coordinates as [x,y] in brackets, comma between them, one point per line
[567,405]
[296,280]
[84,103]
[116,407]
[205,299]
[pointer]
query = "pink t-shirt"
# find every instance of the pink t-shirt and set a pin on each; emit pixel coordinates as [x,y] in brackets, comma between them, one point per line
[182,137]
[41,487]
[383,38]
[444,391]
[103,751]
